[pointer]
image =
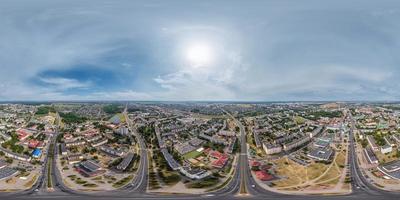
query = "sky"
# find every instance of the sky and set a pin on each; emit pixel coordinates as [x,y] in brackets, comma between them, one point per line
[266,50]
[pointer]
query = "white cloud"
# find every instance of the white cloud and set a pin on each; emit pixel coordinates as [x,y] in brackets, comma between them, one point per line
[65,83]
[317,51]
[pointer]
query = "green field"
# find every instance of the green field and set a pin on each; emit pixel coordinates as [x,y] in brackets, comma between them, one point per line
[193,154]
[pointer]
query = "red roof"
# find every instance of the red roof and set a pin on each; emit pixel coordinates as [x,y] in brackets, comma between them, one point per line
[255,163]
[264,176]
[22,134]
[215,154]
[220,163]
[33,144]
[207,150]
[90,132]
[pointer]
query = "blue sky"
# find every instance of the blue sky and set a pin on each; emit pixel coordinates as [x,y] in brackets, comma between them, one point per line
[249,50]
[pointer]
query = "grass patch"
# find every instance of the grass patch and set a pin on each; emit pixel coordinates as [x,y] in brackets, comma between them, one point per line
[123,182]
[169,178]
[91,185]
[80,181]
[204,183]
[193,154]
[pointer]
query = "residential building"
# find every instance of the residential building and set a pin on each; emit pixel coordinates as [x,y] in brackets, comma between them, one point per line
[370,155]
[13,155]
[257,139]
[296,143]
[75,158]
[63,149]
[99,142]
[386,149]
[75,143]
[372,143]
[170,159]
[125,162]
[184,148]
[272,148]
[194,173]
[111,151]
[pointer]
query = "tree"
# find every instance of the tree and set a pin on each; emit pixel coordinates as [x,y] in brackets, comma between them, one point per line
[9,160]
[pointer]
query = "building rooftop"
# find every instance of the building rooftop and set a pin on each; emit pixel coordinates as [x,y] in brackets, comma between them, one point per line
[321,153]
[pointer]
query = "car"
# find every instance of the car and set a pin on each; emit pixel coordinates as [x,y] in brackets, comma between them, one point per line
[253,186]
[36,190]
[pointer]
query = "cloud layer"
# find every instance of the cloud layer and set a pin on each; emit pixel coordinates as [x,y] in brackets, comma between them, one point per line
[263,50]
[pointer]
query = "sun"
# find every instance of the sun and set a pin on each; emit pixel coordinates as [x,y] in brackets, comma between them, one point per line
[199,54]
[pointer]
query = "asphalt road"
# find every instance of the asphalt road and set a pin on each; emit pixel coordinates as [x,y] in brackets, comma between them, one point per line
[139,182]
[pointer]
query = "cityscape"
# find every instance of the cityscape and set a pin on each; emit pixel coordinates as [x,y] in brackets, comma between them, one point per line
[199,99]
[204,149]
